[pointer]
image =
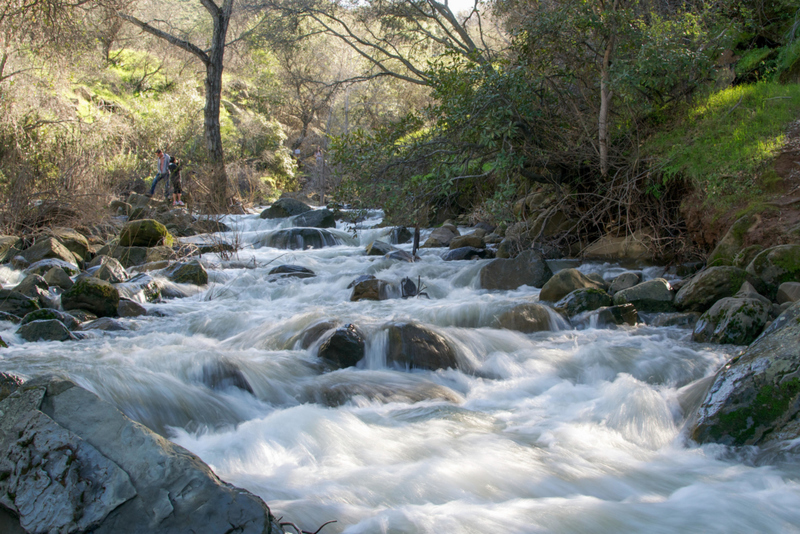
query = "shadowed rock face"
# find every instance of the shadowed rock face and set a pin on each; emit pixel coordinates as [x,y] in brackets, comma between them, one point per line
[754,398]
[344,348]
[529,268]
[285,207]
[77,464]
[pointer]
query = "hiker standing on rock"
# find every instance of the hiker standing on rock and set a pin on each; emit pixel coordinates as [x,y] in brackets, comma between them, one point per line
[175,177]
[161,174]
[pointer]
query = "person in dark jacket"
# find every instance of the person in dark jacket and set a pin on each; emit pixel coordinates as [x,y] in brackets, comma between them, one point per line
[175,177]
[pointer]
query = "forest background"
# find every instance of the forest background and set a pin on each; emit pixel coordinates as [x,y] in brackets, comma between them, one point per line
[598,117]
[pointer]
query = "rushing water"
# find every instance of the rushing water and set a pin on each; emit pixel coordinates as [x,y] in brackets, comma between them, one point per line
[560,431]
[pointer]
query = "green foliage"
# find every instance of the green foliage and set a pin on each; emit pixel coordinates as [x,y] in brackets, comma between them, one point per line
[725,138]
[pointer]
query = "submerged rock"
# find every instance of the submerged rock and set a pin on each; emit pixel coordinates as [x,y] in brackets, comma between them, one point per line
[301,239]
[224,374]
[583,300]
[323,218]
[755,398]
[379,248]
[293,271]
[337,388]
[607,317]
[372,289]
[45,330]
[465,253]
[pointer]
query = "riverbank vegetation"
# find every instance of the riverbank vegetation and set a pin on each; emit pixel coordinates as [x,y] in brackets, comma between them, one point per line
[621,110]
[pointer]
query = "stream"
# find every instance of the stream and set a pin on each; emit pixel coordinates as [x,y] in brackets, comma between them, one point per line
[569,430]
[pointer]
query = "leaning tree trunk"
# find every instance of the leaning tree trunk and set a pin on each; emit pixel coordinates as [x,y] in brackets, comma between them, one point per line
[605,106]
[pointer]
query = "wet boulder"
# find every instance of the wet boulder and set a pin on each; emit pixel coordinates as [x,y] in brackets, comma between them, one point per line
[190,272]
[345,347]
[755,398]
[105,324]
[708,286]
[651,296]
[77,464]
[48,313]
[10,246]
[292,271]
[135,256]
[92,294]
[564,282]
[465,253]
[400,234]
[335,389]
[141,288]
[777,265]
[74,241]
[16,303]
[145,233]
[624,281]
[48,248]
[10,317]
[529,268]
[607,317]
[41,267]
[362,278]
[285,207]
[526,318]
[130,308]
[469,240]
[416,347]
[734,321]
[58,278]
[379,248]
[323,218]
[583,300]
[373,289]
[9,383]
[441,237]
[45,330]
[36,287]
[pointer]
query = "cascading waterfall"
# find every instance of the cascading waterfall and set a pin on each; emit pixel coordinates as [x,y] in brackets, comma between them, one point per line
[566,430]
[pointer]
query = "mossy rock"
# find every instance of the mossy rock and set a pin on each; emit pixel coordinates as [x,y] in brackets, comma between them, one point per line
[191,272]
[74,241]
[755,399]
[709,286]
[145,233]
[777,265]
[583,300]
[734,321]
[48,313]
[45,330]
[16,303]
[92,294]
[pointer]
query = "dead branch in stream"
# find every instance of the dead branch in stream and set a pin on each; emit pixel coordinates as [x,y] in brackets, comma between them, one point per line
[299,530]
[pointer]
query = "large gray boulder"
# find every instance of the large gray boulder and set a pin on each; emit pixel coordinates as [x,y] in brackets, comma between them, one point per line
[565,282]
[651,296]
[417,347]
[74,241]
[441,237]
[709,286]
[285,207]
[42,267]
[755,398]
[624,281]
[732,242]
[583,300]
[48,248]
[45,330]
[92,294]
[734,321]
[529,268]
[74,463]
[373,289]
[111,270]
[68,320]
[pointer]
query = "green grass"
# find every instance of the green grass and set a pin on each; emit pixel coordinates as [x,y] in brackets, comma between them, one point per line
[725,140]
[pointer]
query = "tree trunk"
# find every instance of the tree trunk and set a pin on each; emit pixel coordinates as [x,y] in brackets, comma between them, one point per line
[213,86]
[605,106]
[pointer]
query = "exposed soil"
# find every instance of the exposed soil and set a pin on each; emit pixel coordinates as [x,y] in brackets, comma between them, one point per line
[774,223]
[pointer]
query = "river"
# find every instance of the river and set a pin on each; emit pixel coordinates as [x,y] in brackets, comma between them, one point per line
[571,430]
